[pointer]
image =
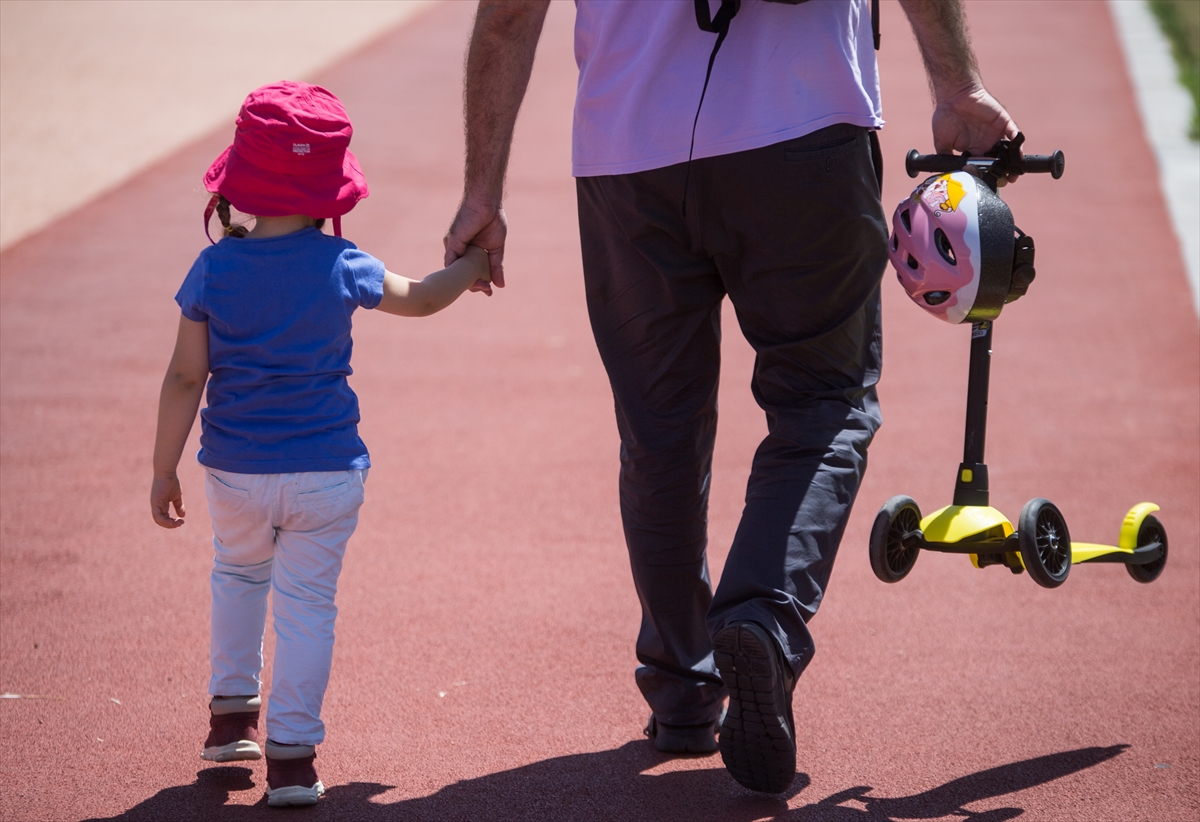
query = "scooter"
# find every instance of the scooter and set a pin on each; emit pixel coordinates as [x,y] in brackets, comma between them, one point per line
[1040,543]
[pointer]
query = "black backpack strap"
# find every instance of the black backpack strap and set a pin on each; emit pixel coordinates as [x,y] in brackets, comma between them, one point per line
[720,25]
[729,8]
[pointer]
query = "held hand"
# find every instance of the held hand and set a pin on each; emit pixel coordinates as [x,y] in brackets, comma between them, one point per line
[483,226]
[164,493]
[970,121]
[480,262]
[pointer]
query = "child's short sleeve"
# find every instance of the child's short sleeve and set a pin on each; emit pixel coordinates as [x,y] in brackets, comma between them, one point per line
[191,294]
[363,275]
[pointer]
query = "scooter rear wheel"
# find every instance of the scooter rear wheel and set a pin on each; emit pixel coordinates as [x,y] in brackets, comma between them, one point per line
[1045,543]
[890,559]
[1151,530]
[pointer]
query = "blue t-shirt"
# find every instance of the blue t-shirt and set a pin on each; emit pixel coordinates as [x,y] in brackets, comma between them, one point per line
[278,313]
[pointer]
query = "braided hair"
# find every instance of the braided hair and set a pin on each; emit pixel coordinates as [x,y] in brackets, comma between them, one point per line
[230,230]
[223,214]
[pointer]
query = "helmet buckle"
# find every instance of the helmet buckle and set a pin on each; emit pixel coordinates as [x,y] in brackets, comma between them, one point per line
[1023,271]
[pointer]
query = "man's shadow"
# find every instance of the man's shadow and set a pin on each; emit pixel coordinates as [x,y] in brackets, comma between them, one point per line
[614,785]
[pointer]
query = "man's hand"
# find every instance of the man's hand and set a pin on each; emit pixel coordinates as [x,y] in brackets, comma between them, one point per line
[484,226]
[164,493]
[971,121]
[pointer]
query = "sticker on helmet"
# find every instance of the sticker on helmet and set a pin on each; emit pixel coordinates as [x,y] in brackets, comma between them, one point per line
[942,194]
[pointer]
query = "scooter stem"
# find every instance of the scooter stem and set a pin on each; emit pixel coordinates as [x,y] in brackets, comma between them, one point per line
[971,488]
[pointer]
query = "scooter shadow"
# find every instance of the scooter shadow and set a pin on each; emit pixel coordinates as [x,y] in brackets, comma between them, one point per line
[614,785]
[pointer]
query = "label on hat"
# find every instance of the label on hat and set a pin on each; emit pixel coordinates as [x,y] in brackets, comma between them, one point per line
[301,148]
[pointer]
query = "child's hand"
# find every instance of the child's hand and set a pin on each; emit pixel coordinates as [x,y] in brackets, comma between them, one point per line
[477,258]
[164,493]
[420,298]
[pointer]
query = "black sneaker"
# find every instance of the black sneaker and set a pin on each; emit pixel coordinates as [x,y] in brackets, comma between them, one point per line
[684,739]
[758,737]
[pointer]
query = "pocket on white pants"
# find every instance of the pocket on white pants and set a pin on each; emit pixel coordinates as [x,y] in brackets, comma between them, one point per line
[226,496]
[328,498]
[225,485]
[241,527]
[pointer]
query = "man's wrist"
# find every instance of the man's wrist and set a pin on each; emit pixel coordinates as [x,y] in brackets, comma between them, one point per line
[951,89]
[481,199]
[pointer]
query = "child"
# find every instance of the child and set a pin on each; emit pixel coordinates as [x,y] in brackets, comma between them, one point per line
[266,323]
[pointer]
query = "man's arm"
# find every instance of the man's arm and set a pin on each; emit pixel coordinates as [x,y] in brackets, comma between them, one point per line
[965,117]
[499,61]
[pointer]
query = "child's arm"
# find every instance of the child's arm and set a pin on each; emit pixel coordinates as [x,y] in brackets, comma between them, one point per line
[181,391]
[420,298]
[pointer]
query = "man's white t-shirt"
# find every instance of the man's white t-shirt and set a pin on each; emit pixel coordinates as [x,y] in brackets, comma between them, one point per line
[783,71]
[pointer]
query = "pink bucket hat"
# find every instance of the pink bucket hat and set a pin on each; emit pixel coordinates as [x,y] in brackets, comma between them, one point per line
[290,155]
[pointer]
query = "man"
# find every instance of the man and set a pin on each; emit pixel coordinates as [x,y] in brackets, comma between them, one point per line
[779,208]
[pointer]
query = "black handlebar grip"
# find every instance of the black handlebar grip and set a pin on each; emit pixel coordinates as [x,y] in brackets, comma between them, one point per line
[1043,163]
[916,163]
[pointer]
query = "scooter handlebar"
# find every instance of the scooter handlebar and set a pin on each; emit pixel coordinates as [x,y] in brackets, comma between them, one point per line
[916,163]
[1052,164]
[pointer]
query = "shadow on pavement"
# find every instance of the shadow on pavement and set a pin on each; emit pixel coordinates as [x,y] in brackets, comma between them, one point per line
[612,785]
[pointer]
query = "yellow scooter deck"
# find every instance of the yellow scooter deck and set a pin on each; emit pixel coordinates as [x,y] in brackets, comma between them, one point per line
[958,524]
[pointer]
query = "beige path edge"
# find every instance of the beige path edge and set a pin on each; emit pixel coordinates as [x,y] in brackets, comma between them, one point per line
[1166,111]
[91,93]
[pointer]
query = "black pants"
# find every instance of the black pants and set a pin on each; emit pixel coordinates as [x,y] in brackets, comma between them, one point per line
[795,234]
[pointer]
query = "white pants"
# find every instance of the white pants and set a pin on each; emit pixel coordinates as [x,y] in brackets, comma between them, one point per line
[286,533]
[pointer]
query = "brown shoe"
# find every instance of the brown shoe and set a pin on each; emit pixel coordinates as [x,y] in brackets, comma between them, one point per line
[291,777]
[233,729]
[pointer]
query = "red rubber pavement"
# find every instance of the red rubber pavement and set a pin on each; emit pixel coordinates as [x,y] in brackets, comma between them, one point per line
[485,642]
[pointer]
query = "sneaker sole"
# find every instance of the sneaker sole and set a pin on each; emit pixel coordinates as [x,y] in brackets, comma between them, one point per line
[758,743]
[233,752]
[294,795]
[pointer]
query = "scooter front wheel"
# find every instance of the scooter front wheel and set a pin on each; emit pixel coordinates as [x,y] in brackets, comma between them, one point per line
[890,559]
[1045,543]
[1151,530]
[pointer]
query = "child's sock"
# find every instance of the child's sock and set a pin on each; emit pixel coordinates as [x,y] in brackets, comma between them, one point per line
[276,750]
[222,705]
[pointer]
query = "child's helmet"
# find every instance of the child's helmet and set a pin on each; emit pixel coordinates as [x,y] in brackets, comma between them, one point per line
[952,246]
[290,155]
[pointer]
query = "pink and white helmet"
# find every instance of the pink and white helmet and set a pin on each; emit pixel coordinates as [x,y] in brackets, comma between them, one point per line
[952,247]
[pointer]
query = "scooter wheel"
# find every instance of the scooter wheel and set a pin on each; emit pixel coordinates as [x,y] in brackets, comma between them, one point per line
[1045,543]
[1151,530]
[890,559]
